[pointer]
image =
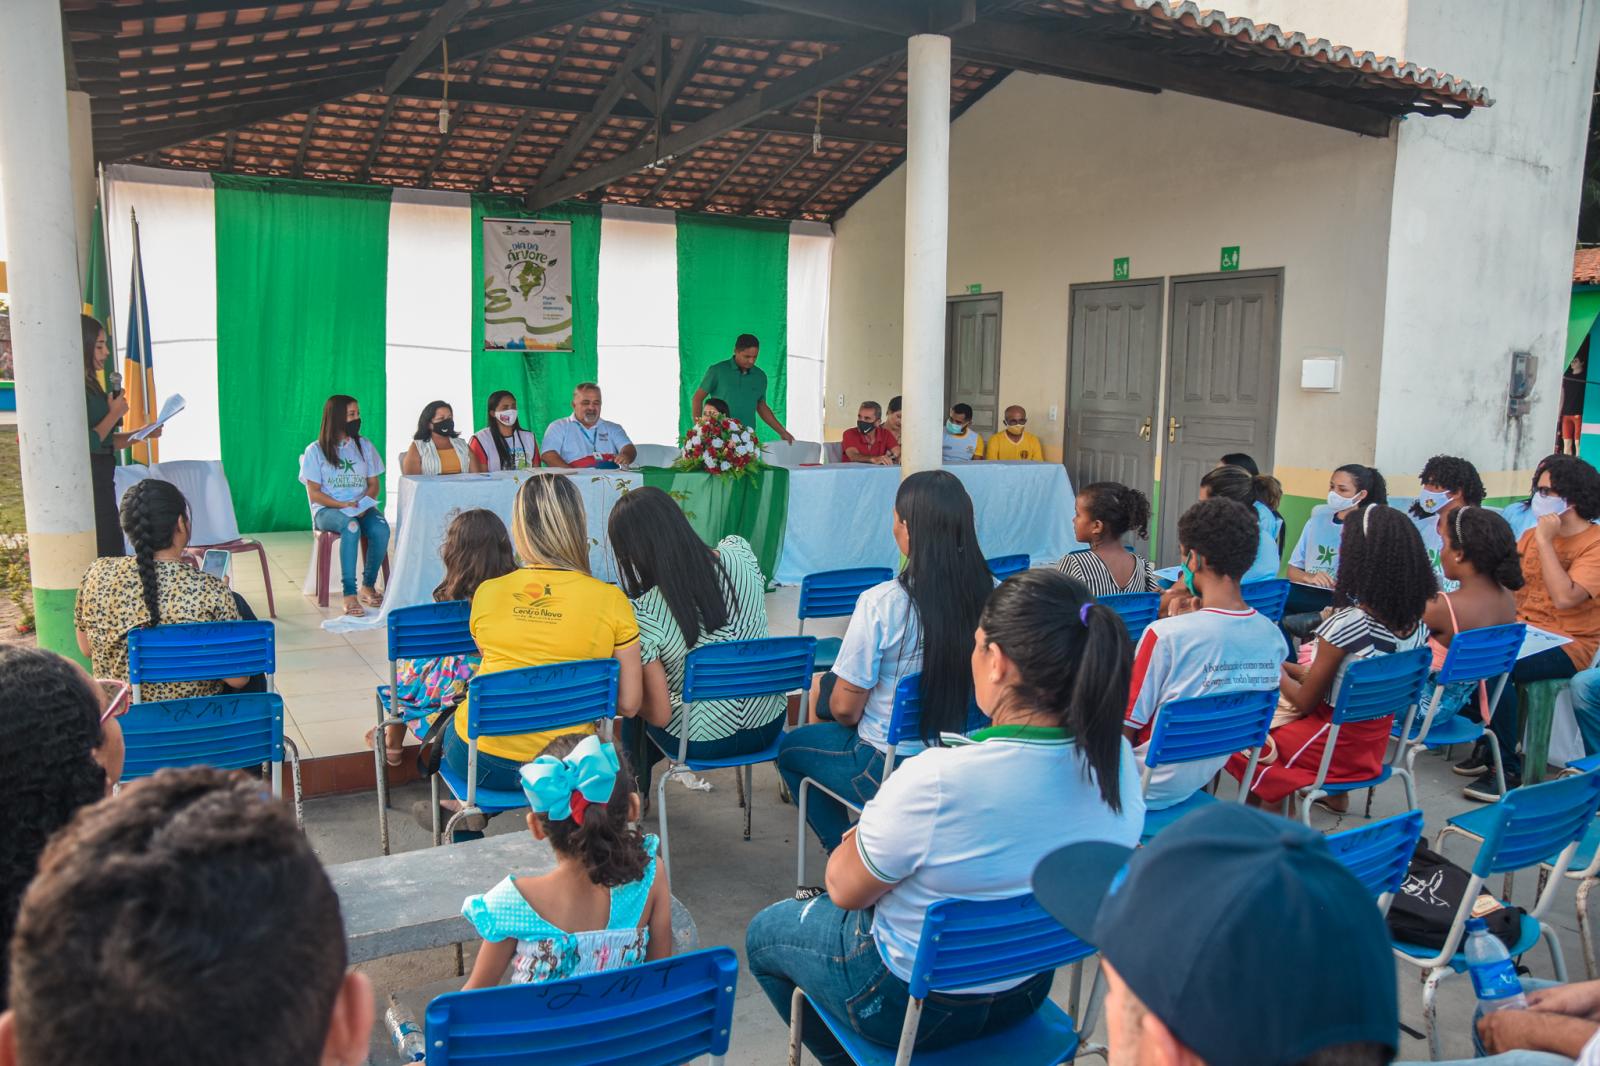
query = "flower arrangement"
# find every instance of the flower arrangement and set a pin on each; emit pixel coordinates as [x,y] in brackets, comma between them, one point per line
[722,446]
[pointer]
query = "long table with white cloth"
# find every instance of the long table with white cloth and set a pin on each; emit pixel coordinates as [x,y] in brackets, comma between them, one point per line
[838,516]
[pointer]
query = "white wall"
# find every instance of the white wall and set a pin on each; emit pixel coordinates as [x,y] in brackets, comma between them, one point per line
[639,322]
[1484,220]
[1051,180]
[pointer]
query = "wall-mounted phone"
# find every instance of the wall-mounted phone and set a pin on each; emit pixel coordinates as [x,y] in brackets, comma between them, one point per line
[1524,373]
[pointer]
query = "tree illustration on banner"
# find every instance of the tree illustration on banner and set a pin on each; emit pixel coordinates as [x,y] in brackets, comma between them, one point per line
[527,284]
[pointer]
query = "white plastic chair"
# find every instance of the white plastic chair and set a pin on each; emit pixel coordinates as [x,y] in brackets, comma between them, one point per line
[800,453]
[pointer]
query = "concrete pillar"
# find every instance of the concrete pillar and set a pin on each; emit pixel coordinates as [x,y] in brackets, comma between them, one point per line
[927,242]
[46,301]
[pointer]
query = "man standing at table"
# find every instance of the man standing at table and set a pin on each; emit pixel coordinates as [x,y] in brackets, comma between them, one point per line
[584,438]
[1016,442]
[870,441]
[742,385]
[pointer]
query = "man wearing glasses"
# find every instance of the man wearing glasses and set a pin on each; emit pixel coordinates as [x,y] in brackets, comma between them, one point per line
[1016,442]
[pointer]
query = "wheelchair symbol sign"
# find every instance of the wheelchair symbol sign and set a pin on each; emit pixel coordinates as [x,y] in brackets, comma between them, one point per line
[1230,257]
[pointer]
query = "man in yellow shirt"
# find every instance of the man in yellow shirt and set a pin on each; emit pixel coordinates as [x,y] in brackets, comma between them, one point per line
[1016,442]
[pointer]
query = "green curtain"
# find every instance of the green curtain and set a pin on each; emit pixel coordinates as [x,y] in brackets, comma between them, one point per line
[756,508]
[302,279]
[542,381]
[733,278]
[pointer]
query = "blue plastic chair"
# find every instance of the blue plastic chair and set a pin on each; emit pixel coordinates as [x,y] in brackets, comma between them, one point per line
[231,731]
[1477,655]
[425,631]
[1270,597]
[905,724]
[833,594]
[530,699]
[1201,729]
[1379,854]
[733,670]
[965,944]
[1003,566]
[655,1014]
[1136,609]
[1371,689]
[1521,831]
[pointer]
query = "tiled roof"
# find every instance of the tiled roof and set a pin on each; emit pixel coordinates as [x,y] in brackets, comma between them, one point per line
[1586,266]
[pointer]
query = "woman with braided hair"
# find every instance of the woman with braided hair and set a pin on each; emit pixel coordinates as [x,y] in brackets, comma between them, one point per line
[152,587]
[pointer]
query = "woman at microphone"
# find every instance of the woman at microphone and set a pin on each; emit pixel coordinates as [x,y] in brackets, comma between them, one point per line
[105,414]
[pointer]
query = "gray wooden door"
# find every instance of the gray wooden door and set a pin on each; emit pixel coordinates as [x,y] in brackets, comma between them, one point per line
[1222,386]
[972,359]
[1115,355]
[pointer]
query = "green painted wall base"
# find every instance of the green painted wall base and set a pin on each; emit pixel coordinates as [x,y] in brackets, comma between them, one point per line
[53,610]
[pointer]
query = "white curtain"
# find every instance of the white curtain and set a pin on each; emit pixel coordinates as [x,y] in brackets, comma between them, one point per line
[810,261]
[638,334]
[177,239]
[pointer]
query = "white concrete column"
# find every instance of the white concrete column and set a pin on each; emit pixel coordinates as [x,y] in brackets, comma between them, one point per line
[927,241]
[45,304]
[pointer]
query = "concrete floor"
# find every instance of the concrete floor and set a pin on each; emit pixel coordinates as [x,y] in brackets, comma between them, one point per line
[725,881]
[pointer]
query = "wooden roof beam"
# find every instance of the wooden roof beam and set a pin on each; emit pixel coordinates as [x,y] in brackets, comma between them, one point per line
[305,143]
[903,18]
[377,138]
[607,98]
[733,168]
[850,159]
[755,27]
[774,97]
[512,140]
[422,46]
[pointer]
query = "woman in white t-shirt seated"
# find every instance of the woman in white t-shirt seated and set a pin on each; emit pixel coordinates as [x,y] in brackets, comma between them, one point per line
[921,621]
[340,470]
[968,821]
[437,447]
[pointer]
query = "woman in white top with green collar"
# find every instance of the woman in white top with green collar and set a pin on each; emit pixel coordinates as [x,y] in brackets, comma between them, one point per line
[968,821]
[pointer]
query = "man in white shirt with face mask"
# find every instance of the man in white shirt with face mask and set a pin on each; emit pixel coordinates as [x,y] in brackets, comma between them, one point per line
[584,438]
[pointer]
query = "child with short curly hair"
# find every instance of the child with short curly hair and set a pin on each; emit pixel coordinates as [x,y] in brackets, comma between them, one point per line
[1104,513]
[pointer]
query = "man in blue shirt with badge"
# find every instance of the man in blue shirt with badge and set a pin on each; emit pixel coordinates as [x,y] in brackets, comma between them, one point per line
[584,439]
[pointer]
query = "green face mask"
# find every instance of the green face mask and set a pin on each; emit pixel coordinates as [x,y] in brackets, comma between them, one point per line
[1187,575]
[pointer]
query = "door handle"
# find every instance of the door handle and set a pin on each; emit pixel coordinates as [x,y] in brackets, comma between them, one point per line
[1144,430]
[1173,425]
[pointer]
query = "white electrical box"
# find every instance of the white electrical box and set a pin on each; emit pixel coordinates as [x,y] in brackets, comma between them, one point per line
[1321,371]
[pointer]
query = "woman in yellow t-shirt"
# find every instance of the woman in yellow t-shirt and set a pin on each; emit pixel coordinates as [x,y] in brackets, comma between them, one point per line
[551,610]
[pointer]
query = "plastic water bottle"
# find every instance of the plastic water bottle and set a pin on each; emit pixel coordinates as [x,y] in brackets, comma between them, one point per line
[1494,976]
[405,1032]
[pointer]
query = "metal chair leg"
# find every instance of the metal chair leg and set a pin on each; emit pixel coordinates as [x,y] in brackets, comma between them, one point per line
[1584,934]
[738,785]
[436,828]
[749,793]
[797,1016]
[379,743]
[294,774]
[461,962]
[800,833]
[1430,1009]
[661,820]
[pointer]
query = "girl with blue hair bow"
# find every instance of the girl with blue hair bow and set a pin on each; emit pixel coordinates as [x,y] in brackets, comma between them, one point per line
[605,905]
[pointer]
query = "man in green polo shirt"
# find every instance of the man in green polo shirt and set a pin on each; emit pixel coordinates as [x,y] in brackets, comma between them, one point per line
[742,386]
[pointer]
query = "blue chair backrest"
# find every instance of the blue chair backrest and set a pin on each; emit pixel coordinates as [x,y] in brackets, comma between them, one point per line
[1136,609]
[833,593]
[1381,685]
[1003,566]
[1379,854]
[1537,821]
[234,731]
[533,699]
[1269,597]
[201,651]
[1483,654]
[431,629]
[975,942]
[738,669]
[905,714]
[656,1014]
[1206,727]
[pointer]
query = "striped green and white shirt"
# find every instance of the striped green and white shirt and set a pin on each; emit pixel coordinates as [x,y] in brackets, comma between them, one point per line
[661,640]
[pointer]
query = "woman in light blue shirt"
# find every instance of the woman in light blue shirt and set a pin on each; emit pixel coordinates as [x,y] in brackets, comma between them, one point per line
[1260,493]
[341,470]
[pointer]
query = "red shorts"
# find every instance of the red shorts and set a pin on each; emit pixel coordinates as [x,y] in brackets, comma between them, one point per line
[1571,427]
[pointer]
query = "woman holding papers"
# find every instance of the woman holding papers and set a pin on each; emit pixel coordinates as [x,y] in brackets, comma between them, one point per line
[340,470]
[105,411]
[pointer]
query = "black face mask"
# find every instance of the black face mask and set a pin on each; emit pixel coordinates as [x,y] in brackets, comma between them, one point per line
[445,427]
[866,427]
[352,428]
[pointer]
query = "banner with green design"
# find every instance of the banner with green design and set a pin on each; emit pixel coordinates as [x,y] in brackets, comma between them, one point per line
[755,508]
[527,284]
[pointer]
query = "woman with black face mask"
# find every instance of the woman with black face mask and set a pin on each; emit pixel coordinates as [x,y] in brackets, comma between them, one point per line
[437,447]
[340,470]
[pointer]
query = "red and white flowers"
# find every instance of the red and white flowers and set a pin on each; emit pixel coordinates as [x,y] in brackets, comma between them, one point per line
[720,446]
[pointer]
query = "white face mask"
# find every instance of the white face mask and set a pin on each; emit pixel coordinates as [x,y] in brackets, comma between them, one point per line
[507,418]
[1433,502]
[1543,505]
[1340,503]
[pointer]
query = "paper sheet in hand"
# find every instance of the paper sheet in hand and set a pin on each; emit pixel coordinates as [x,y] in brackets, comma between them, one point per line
[174,404]
[1539,640]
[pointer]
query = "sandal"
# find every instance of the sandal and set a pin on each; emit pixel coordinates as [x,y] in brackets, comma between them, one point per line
[371,597]
[392,756]
[352,607]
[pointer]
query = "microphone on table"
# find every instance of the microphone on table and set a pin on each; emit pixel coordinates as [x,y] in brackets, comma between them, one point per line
[114,379]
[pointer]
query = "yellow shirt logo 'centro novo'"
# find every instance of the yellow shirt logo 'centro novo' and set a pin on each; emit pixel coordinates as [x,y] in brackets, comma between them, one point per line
[533,604]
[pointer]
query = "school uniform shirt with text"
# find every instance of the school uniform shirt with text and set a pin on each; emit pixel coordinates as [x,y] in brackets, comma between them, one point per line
[1197,654]
[343,480]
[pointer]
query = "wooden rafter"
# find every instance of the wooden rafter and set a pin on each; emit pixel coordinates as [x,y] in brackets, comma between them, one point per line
[377,139]
[841,168]
[305,142]
[586,127]
[509,147]
[398,13]
[783,172]
[426,40]
[733,168]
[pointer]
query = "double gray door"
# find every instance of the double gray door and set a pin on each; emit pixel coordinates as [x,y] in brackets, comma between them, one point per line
[972,359]
[1221,385]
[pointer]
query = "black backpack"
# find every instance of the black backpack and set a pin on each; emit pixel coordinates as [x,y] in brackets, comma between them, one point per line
[1423,909]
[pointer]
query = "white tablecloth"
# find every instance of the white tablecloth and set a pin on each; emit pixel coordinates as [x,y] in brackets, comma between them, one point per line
[839,516]
[202,483]
[842,515]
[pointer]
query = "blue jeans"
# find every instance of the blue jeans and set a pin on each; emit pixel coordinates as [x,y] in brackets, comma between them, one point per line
[831,954]
[833,755]
[645,755]
[1549,665]
[493,772]
[1585,692]
[369,524]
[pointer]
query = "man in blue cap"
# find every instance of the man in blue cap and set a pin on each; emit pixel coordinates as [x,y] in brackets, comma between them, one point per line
[1233,937]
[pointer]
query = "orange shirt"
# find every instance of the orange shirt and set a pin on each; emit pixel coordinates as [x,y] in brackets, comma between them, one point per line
[1580,557]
